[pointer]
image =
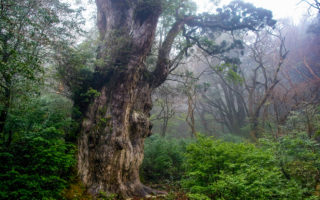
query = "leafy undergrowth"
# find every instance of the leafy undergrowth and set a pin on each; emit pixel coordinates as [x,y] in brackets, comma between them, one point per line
[163,160]
[36,166]
[286,169]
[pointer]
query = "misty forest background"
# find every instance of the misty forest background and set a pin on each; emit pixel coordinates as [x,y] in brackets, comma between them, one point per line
[241,121]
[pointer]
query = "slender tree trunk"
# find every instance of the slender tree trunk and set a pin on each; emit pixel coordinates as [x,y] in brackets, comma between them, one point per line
[166,116]
[3,117]
[310,128]
[4,114]
[279,131]
[164,126]
[190,116]
[204,121]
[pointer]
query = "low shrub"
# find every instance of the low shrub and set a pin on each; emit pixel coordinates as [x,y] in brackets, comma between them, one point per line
[298,156]
[163,159]
[37,162]
[36,166]
[223,170]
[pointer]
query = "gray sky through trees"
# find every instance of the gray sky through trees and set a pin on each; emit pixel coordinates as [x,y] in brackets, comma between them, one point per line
[290,9]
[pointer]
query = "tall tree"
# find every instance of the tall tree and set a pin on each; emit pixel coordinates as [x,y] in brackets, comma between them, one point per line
[226,98]
[116,122]
[29,29]
[164,98]
[265,75]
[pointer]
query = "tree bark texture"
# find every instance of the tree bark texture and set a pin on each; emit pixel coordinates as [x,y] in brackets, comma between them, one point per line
[115,125]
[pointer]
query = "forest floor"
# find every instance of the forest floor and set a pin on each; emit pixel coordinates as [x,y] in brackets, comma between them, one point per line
[174,192]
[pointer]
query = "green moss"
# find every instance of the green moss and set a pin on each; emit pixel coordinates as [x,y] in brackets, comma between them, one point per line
[119,49]
[102,110]
[103,122]
[104,196]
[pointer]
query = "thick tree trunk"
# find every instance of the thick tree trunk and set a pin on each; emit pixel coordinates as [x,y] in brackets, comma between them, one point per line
[117,122]
[111,145]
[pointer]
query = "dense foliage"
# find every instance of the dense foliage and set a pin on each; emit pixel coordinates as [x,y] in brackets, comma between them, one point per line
[223,170]
[31,31]
[35,123]
[298,156]
[38,163]
[163,159]
[36,166]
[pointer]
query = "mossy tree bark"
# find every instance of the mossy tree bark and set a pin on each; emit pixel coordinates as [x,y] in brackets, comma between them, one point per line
[116,124]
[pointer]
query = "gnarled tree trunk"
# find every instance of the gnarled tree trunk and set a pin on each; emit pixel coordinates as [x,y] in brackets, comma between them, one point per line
[111,144]
[116,124]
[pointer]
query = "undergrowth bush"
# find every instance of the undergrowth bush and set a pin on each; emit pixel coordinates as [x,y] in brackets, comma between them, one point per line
[223,170]
[298,157]
[163,159]
[36,166]
[38,162]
